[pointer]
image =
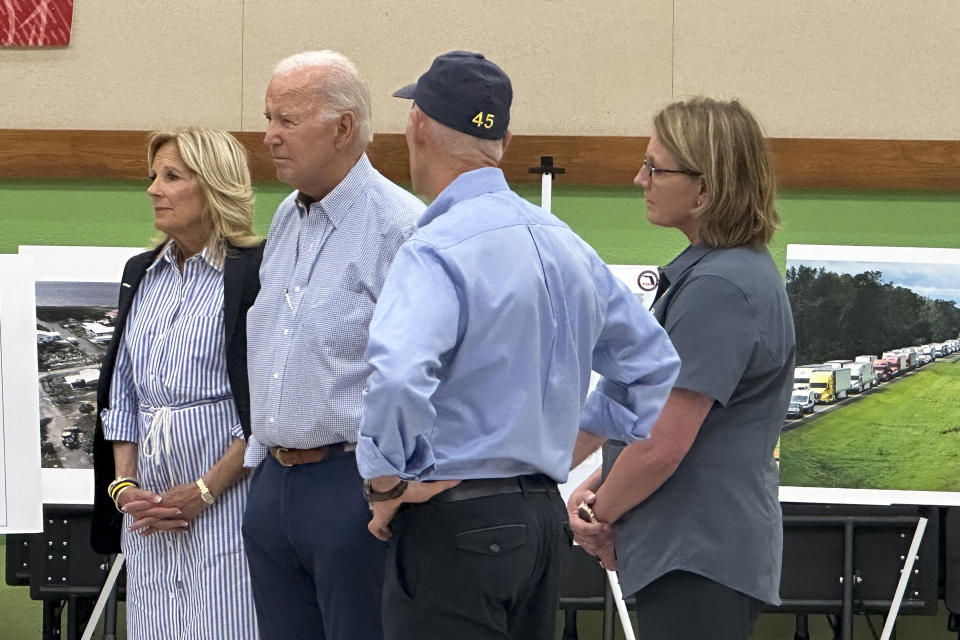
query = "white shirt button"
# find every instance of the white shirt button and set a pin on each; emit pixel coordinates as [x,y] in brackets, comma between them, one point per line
[297,289]
[276,375]
[271,420]
[286,332]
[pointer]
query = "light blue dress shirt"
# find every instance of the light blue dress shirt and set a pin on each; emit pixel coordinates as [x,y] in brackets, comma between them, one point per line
[482,343]
[322,270]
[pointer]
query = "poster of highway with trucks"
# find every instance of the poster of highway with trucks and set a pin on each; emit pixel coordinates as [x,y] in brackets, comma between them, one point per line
[875,412]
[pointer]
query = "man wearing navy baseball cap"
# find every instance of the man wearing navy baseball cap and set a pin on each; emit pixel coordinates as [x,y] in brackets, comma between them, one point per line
[481,346]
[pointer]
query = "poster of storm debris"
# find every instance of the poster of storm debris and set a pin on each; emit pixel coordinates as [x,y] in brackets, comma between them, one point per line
[76,305]
[875,413]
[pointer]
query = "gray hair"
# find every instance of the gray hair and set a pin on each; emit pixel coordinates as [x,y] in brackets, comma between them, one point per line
[463,146]
[340,87]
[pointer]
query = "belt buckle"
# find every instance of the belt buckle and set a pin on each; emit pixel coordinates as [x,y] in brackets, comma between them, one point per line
[278,454]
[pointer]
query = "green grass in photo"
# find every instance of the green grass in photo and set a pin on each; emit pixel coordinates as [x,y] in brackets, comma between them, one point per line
[905,435]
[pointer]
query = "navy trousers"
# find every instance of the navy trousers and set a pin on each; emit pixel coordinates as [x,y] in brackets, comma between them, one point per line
[315,569]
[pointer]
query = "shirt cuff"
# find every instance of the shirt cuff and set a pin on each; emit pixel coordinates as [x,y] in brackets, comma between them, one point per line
[372,463]
[120,425]
[608,418]
[237,430]
[255,453]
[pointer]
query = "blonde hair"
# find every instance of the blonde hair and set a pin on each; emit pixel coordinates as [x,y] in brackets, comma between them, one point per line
[723,142]
[220,165]
[339,88]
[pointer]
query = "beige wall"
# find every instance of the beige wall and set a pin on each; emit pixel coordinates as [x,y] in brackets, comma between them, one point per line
[817,68]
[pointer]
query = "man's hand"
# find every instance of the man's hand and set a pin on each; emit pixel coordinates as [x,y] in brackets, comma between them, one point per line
[596,538]
[383,512]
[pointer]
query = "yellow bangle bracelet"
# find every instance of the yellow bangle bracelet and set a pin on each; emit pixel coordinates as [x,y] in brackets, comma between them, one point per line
[117,492]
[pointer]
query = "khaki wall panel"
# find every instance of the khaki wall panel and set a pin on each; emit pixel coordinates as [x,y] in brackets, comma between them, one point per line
[131,64]
[827,68]
[577,67]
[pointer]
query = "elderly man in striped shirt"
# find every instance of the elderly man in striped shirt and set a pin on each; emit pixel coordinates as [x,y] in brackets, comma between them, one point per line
[316,573]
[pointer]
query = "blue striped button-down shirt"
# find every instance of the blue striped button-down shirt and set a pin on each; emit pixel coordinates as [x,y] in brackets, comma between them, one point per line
[482,345]
[321,276]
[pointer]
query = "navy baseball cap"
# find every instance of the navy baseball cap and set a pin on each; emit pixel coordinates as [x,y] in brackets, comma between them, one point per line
[466,92]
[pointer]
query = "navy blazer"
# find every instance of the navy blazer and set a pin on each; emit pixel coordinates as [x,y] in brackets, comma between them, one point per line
[241,283]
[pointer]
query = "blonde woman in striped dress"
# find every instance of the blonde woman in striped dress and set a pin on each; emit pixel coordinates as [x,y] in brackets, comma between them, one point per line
[173,399]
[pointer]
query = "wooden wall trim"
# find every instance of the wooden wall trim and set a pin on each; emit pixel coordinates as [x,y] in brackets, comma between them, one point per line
[599,160]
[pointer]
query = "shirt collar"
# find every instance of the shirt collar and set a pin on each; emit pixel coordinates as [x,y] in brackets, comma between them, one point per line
[687,258]
[345,196]
[168,255]
[465,186]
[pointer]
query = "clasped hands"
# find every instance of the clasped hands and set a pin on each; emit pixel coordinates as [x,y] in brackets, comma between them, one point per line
[171,510]
[596,538]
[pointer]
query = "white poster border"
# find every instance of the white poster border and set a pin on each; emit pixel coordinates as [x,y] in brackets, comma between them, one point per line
[20,396]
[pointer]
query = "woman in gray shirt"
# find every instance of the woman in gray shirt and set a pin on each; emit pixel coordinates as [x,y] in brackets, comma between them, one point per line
[690,517]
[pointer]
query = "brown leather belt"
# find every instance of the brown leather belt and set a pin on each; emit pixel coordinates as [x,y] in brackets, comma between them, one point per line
[290,457]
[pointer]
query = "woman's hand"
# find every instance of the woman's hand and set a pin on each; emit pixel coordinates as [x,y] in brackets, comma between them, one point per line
[596,538]
[149,512]
[186,499]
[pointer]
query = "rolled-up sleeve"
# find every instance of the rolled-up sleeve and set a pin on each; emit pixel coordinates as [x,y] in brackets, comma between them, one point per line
[638,364]
[415,323]
[120,419]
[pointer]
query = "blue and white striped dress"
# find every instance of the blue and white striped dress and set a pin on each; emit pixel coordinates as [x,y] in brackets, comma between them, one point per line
[170,394]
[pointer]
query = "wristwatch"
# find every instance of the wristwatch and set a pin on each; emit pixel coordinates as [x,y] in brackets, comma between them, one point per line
[381,496]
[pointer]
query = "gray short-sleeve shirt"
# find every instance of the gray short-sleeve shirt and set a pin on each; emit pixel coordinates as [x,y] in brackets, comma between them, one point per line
[719,516]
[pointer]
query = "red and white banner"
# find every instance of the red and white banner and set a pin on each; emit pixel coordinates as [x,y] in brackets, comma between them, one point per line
[35,23]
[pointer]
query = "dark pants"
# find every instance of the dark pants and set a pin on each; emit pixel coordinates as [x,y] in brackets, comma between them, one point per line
[315,569]
[687,606]
[481,569]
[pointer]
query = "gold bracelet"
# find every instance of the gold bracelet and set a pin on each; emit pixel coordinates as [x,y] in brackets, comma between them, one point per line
[205,494]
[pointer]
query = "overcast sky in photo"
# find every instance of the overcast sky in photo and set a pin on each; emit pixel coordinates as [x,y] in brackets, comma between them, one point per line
[934,281]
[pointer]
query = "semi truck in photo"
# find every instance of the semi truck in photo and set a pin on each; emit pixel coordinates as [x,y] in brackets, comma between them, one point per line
[837,364]
[912,359]
[898,362]
[830,385]
[882,370]
[861,376]
[801,375]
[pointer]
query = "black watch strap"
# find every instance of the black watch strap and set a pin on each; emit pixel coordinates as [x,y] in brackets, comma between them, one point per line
[381,496]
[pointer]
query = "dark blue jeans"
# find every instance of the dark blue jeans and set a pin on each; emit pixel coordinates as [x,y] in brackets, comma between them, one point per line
[316,570]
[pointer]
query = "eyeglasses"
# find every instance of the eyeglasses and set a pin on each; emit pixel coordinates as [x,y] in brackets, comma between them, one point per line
[648,171]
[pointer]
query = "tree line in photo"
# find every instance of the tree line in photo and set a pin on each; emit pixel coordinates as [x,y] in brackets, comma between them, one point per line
[841,316]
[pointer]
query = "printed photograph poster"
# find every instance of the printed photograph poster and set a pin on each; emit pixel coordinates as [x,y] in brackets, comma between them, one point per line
[875,413]
[76,306]
[642,280]
[21,508]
